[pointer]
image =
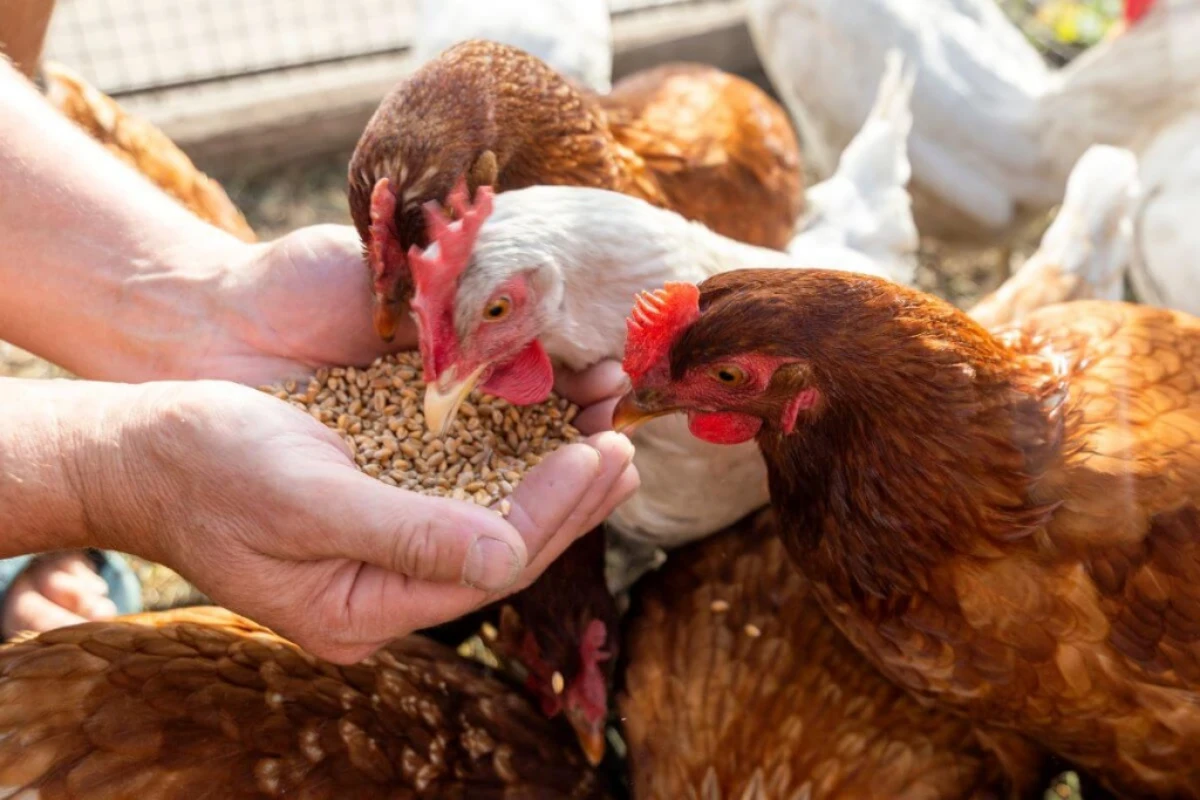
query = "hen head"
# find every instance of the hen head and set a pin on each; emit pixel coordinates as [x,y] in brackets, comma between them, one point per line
[479,329]
[754,353]
[729,375]
[472,111]
[562,631]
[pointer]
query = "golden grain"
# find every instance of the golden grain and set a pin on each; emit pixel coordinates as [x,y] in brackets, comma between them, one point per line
[377,413]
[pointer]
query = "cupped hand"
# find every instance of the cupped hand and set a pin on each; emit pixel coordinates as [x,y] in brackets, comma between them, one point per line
[262,508]
[55,590]
[284,308]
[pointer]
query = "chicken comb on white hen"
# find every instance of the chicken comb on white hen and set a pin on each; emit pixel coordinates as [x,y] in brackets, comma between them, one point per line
[995,132]
[573,37]
[564,265]
[863,212]
[1085,252]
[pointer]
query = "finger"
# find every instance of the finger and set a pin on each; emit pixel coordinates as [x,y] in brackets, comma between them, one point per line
[70,583]
[598,382]
[597,417]
[550,509]
[425,538]
[544,512]
[34,612]
[622,489]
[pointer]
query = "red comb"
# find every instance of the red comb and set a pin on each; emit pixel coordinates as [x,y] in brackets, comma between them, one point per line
[383,250]
[435,276]
[657,320]
[1136,9]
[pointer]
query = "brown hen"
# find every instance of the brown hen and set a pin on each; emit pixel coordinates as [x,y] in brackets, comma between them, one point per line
[707,144]
[1007,524]
[204,704]
[737,685]
[143,147]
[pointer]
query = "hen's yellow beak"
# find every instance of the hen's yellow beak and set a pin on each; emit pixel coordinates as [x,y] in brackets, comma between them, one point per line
[443,397]
[637,408]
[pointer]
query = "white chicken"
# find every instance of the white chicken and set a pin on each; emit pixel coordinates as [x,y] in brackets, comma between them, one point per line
[573,36]
[1165,263]
[1085,252]
[996,131]
[553,273]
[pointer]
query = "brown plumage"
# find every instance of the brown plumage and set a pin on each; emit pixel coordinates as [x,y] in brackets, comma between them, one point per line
[738,686]
[144,147]
[201,704]
[707,144]
[1007,524]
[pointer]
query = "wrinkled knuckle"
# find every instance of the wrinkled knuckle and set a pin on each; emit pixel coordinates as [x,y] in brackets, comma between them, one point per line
[417,551]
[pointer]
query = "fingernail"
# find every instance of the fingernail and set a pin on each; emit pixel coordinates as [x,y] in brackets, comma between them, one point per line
[491,565]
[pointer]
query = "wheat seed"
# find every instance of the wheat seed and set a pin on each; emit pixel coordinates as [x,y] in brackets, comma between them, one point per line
[377,412]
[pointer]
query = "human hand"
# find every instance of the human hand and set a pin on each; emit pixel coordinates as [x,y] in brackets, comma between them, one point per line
[284,308]
[54,591]
[596,390]
[261,507]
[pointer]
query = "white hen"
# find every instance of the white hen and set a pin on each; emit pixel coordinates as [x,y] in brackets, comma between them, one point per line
[1084,254]
[1165,265]
[996,130]
[567,263]
[572,36]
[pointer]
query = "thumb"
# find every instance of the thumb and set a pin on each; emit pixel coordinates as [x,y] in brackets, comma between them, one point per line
[430,539]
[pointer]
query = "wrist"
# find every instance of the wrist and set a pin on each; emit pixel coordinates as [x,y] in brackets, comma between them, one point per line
[51,436]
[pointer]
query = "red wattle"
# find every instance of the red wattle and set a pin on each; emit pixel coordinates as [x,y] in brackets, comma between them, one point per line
[723,427]
[525,380]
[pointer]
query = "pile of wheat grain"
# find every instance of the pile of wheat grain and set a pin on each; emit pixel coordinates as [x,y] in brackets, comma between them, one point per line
[488,449]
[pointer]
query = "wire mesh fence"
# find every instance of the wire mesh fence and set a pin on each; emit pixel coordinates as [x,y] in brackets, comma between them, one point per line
[129,46]
[126,46]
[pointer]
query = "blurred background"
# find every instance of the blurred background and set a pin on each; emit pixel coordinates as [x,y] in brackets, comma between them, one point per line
[269,96]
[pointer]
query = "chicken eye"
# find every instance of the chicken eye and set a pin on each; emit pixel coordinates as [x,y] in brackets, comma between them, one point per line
[498,309]
[729,374]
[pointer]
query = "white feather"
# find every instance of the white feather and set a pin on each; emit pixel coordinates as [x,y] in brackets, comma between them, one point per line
[995,131]
[1085,252]
[860,220]
[572,36]
[1165,266]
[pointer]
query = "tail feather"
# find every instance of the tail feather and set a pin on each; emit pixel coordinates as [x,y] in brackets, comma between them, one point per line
[865,206]
[1085,252]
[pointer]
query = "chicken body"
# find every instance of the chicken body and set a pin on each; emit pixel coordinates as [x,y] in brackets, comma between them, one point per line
[1165,267]
[143,147]
[997,131]
[1008,525]
[204,704]
[689,137]
[579,256]
[737,685]
[1084,254]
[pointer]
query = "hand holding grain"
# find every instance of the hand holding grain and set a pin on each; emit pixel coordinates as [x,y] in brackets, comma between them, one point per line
[261,506]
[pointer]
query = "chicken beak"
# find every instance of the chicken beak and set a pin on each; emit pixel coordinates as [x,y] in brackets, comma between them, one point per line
[591,741]
[445,395]
[385,318]
[637,408]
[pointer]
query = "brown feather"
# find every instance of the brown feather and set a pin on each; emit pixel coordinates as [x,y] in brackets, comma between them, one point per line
[784,709]
[201,703]
[709,145]
[1008,524]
